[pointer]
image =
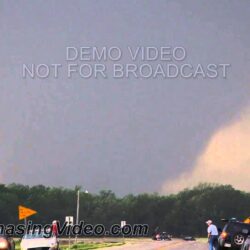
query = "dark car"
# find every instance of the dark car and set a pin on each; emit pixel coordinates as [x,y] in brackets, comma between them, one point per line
[6,243]
[161,236]
[189,238]
[246,245]
[233,235]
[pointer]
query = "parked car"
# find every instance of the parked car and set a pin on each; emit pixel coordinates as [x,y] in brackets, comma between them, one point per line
[189,238]
[246,245]
[233,234]
[39,240]
[161,236]
[6,242]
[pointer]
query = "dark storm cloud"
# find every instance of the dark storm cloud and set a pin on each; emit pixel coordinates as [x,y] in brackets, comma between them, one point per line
[127,135]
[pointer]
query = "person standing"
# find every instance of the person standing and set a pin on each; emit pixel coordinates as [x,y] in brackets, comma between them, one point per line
[55,228]
[213,234]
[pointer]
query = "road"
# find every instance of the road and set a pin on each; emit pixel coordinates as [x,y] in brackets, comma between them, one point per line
[161,245]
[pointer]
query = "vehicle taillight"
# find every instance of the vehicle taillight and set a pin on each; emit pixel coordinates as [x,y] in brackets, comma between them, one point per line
[3,244]
[223,235]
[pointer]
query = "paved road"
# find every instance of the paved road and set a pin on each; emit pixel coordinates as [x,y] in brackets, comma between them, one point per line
[161,245]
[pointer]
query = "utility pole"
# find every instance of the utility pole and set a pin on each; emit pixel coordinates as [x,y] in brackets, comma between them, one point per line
[77,210]
[77,206]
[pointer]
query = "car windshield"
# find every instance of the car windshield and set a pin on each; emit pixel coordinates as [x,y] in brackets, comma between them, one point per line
[35,235]
[236,226]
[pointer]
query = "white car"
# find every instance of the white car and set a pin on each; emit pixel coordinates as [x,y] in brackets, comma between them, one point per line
[39,241]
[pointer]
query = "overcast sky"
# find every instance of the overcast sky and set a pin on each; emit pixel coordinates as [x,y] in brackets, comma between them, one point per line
[127,135]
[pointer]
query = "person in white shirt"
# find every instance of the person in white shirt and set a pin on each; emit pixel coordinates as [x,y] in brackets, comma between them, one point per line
[213,234]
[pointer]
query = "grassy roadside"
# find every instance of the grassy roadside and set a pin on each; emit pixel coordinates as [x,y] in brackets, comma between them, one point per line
[83,246]
[202,240]
[17,244]
[88,246]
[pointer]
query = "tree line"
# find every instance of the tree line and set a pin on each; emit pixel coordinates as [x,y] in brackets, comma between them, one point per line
[179,214]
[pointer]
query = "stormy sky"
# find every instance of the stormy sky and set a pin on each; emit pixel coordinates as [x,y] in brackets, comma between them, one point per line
[127,135]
